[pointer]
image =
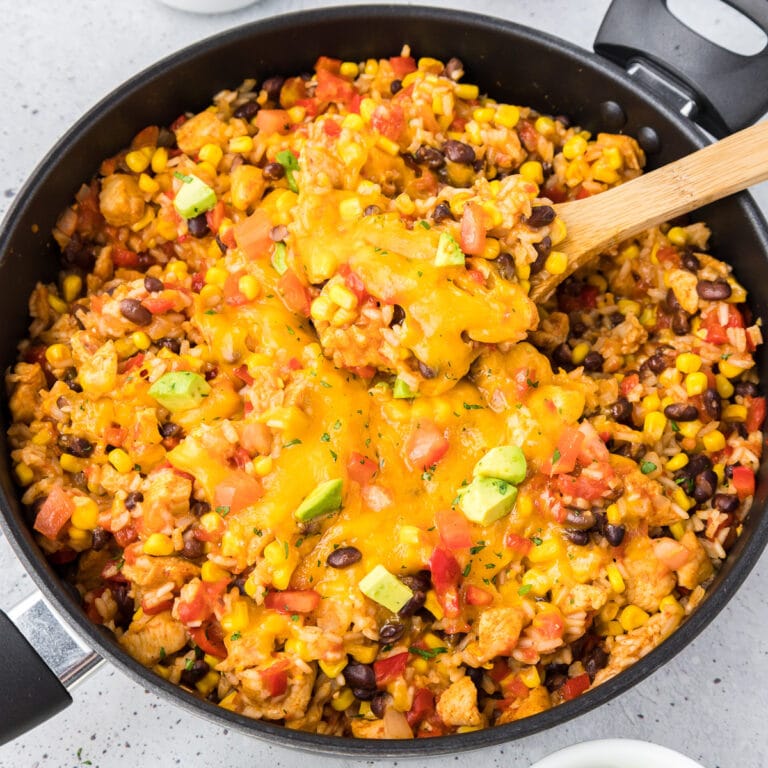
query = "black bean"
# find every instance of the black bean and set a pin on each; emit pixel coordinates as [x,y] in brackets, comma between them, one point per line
[728,472]
[455,66]
[343,557]
[442,212]
[475,674]
[80,254]
[398,315]
[371,210]
[614,534]
[273,171]
[681,322]
[728,427]
[170,429]
[153,284]
[681,412]
[621,411]
[690,262]
[199,508]
[391,631]
[133,310]
[616,318]
[657,362]
[699,463]
[459,152]
[671,301]
[125,604]
[77,446]
[580,538]
[712,403]
[577,328]
[542,248]
[562,356]
[596,659]
[541,215]
[506,266]
[745,389]
[174,345]
[726,502]
[432,157]
[420,580]
[704,485]
[193,547]
[583,520]
[415,604]
[198,669]
[359,675]
[132,499]
[248,110]
[379,703]
[273,85]
[395,86]
[427,371]
[364,694]
[555,676]
[101,538]
[198,225]
[713,290]
[593,361]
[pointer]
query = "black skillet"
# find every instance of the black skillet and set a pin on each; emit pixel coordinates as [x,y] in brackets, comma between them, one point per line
[669,79]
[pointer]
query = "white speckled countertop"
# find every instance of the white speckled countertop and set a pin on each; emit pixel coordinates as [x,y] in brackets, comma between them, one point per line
[56,60]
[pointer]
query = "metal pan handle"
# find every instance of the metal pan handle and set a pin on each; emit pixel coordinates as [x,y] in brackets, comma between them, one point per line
[42,659]
[728,89]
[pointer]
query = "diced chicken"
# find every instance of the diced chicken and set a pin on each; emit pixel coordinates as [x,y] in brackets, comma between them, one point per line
[204,128]
[457,705]
[538,700]
[552,331]
[648,579]
[25,382]
[583,597]
[498,631]
[367,729]
[166,495]
[121,201]
[152,637]
[290,705]
[151,572]
[699,568]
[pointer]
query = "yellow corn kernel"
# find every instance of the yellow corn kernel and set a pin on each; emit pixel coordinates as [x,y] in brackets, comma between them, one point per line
[696,383]
[144,221]
[427,64]
[141,340]
[365,654]
[651,402]
[648,317]
[70,463]
[420,665]
[689,428]
[547,550]
[612,514]
[262,466]
[729,370]
[677,530]
[603,172]
[713,441]
[137,161]
[79,539]
[616,579]
[669,604]
[228,702]
[677,236]
[342,317]
[492,212]
[630,252]
[367,107]
[390,147]
[241,145]
[431,640]
[653,426]
[483,114]
[457,203]
[120,460]
[148,184]
[208,683]
[633,617]
[71,286]
[58,354]
[86,514]
[609,611]
[371,67]
[237,619]
[341,295]
[364,710]
[466,91]
[57,305]
[612,158]
[443,104]
[24,474]
[252,588]
[322,309]
[492,249]
[523,271]
[532,171]
[405,204]
[353,122]
[670,377]
[539,582]
[349,69]
[159,160]
[166,228]
[351,154]
[612,628]
[343,700]
[402,697]
[409,534]
[216,276]
[545,125]
[525,286]
[350,208]
[432,604]
[249,286]
[210,295]
[332,668]
[212,153]
[530,677]
[735,412]
[159,545]
[719,470]
[579,352]
[507,115]
[210,571]
[724,387]
[628,307]
[678,461]
[556,263]
[682,499]
[575,147]
[557,231]
[688,362]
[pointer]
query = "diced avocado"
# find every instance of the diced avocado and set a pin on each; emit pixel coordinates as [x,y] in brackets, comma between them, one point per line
[487,499]
[278,259]
[507,462]
[385,589]
[180,390]
[449,254]
[290,162]
[401,390]
[325,498]
[194,197]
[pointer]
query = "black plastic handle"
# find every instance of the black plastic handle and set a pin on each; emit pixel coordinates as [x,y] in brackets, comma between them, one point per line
[31,693]
[730,89]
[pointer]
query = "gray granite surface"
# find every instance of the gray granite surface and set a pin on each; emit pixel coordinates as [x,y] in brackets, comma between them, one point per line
[56,60]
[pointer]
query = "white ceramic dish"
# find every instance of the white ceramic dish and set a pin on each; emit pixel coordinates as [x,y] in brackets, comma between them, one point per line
[207,6]
[617,753]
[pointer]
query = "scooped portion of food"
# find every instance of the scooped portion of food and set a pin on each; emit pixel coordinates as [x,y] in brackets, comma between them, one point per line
[292,427]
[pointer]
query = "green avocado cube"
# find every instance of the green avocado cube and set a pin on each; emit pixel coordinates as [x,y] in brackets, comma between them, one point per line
[487,499]
[194,197]
[385,589]
[507,462]
[180,390]
[401,390]
[325,498]
[449,253]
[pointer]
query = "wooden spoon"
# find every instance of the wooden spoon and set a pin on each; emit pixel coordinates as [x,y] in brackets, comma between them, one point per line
[596,223]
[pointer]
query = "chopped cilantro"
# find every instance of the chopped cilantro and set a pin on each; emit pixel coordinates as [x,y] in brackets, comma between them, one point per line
[524,589]
[473,407]
[258,531]
[427,653]
[290,162]
[325,384]
[536,540]
[235,636]
[223,510]
[479,547]
[674,425]
[467,569]
[285,549]
[295,441]
[556,455]
[325,437]
[183,177]
[334,455]
[163,654]
[188,664]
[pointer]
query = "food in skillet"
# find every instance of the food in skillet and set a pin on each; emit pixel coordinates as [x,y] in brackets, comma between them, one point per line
[293,428]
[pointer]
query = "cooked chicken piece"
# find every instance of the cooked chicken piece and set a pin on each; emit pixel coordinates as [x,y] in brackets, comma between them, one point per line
[152,637]
[121,201]
[457,705]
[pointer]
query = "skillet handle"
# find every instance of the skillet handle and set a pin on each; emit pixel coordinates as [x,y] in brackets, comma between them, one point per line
[41,659]
[728,88]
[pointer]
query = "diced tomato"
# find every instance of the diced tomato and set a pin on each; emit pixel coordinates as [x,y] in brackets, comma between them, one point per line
[476,276]
[215,216]
[628,383]
[256,437]
[575,686]
[755,414]
[198,281]
[426,445]
[237,491]
[124,258]
[717,333]
[528,134]
[550,624]
[671,553]
[390,669]
[582,487]
[125,536]
[499,670]
[402,65]
[115,435]
[270,121]
[363,371]
[564,458]
[252,234]
[331,128]
[331,87]
[518,544]
[388,121]
[158,305]
[232,294]
[423,703]
[326,62]
[295,294]
[55,512]
[293,601]
[445,576]
[477,595]
[242,373]
[210,639]
[275,678]
[199,602]
[360,468]
[454,529]
[241,457]
[150,609]
[513,687]
[354,282]
[473,230]
[743,481]
[62,556]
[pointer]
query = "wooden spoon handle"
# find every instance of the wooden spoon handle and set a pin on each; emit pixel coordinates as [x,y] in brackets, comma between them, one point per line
[596,223]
